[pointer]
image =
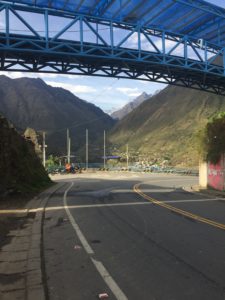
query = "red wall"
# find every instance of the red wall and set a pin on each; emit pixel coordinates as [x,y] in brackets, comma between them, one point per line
[216,176]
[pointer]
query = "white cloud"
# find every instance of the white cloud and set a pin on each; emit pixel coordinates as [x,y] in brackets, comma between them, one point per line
[132,42]
[134,38]
[131,92]
[75,89]
[169,45]
[2,19]
[135,94]
[47,75]
[67,76]
[126,90]
[15,75]
[43,76]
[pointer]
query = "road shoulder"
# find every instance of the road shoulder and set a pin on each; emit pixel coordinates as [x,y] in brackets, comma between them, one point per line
[209,192]
[21,274]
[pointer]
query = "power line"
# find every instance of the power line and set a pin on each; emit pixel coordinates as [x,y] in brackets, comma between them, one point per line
[106,88]
[52,31]
[73,125]
[76,125]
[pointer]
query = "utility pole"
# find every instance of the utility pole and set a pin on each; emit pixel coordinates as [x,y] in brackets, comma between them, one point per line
[86,149]
[43,148]
[127,157]
[67,145]
[68,155]
[104,149]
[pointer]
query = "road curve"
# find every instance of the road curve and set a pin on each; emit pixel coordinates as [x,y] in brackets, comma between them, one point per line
[134,237]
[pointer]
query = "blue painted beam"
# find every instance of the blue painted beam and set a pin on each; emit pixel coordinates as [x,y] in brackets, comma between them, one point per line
[199,27]
[207,31]
[41,52]
[134,10]
[182,19]
[187,26]
[148,10]
[152,19]
[120,9]
[204,6]
[101,7]
[79,5]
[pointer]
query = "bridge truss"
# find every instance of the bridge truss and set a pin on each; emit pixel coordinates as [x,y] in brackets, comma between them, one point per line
[92,44]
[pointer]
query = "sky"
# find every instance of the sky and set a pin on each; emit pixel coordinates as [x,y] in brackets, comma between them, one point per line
[217,2]
[109,94]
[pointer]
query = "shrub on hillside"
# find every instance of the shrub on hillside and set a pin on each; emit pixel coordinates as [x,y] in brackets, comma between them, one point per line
[212,139]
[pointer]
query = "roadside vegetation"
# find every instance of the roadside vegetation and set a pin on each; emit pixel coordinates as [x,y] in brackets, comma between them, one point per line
[211,139]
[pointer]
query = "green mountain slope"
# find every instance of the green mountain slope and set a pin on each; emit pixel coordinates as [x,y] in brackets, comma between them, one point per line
[166,124]
[32,103]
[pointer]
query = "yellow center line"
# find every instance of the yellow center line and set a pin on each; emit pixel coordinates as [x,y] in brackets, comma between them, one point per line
[182,212]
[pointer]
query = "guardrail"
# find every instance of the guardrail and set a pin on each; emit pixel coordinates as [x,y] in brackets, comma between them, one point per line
[145,169]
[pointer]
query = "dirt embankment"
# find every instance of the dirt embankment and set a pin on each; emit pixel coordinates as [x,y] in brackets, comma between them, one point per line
[22,176]
[21,171]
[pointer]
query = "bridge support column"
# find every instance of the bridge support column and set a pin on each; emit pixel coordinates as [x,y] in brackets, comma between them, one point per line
[203,175]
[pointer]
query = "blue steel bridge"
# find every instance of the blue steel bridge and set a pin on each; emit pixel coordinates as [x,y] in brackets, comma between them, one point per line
[178,42]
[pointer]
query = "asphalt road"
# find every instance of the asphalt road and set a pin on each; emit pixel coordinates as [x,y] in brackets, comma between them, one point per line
[101,236]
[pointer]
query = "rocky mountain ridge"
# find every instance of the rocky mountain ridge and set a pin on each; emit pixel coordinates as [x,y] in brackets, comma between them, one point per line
[125,110]
[29,102]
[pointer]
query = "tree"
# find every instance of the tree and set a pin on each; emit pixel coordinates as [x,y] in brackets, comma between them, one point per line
[52,161]
[212,139]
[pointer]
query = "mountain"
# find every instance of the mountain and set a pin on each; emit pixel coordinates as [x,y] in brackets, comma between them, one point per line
[125,110]
[29,102]
[20,168]
[165,125]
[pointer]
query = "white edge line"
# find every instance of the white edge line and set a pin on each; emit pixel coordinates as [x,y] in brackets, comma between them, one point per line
[109,280]
[133,203]
[99,266]
[80,235]
[22,211]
